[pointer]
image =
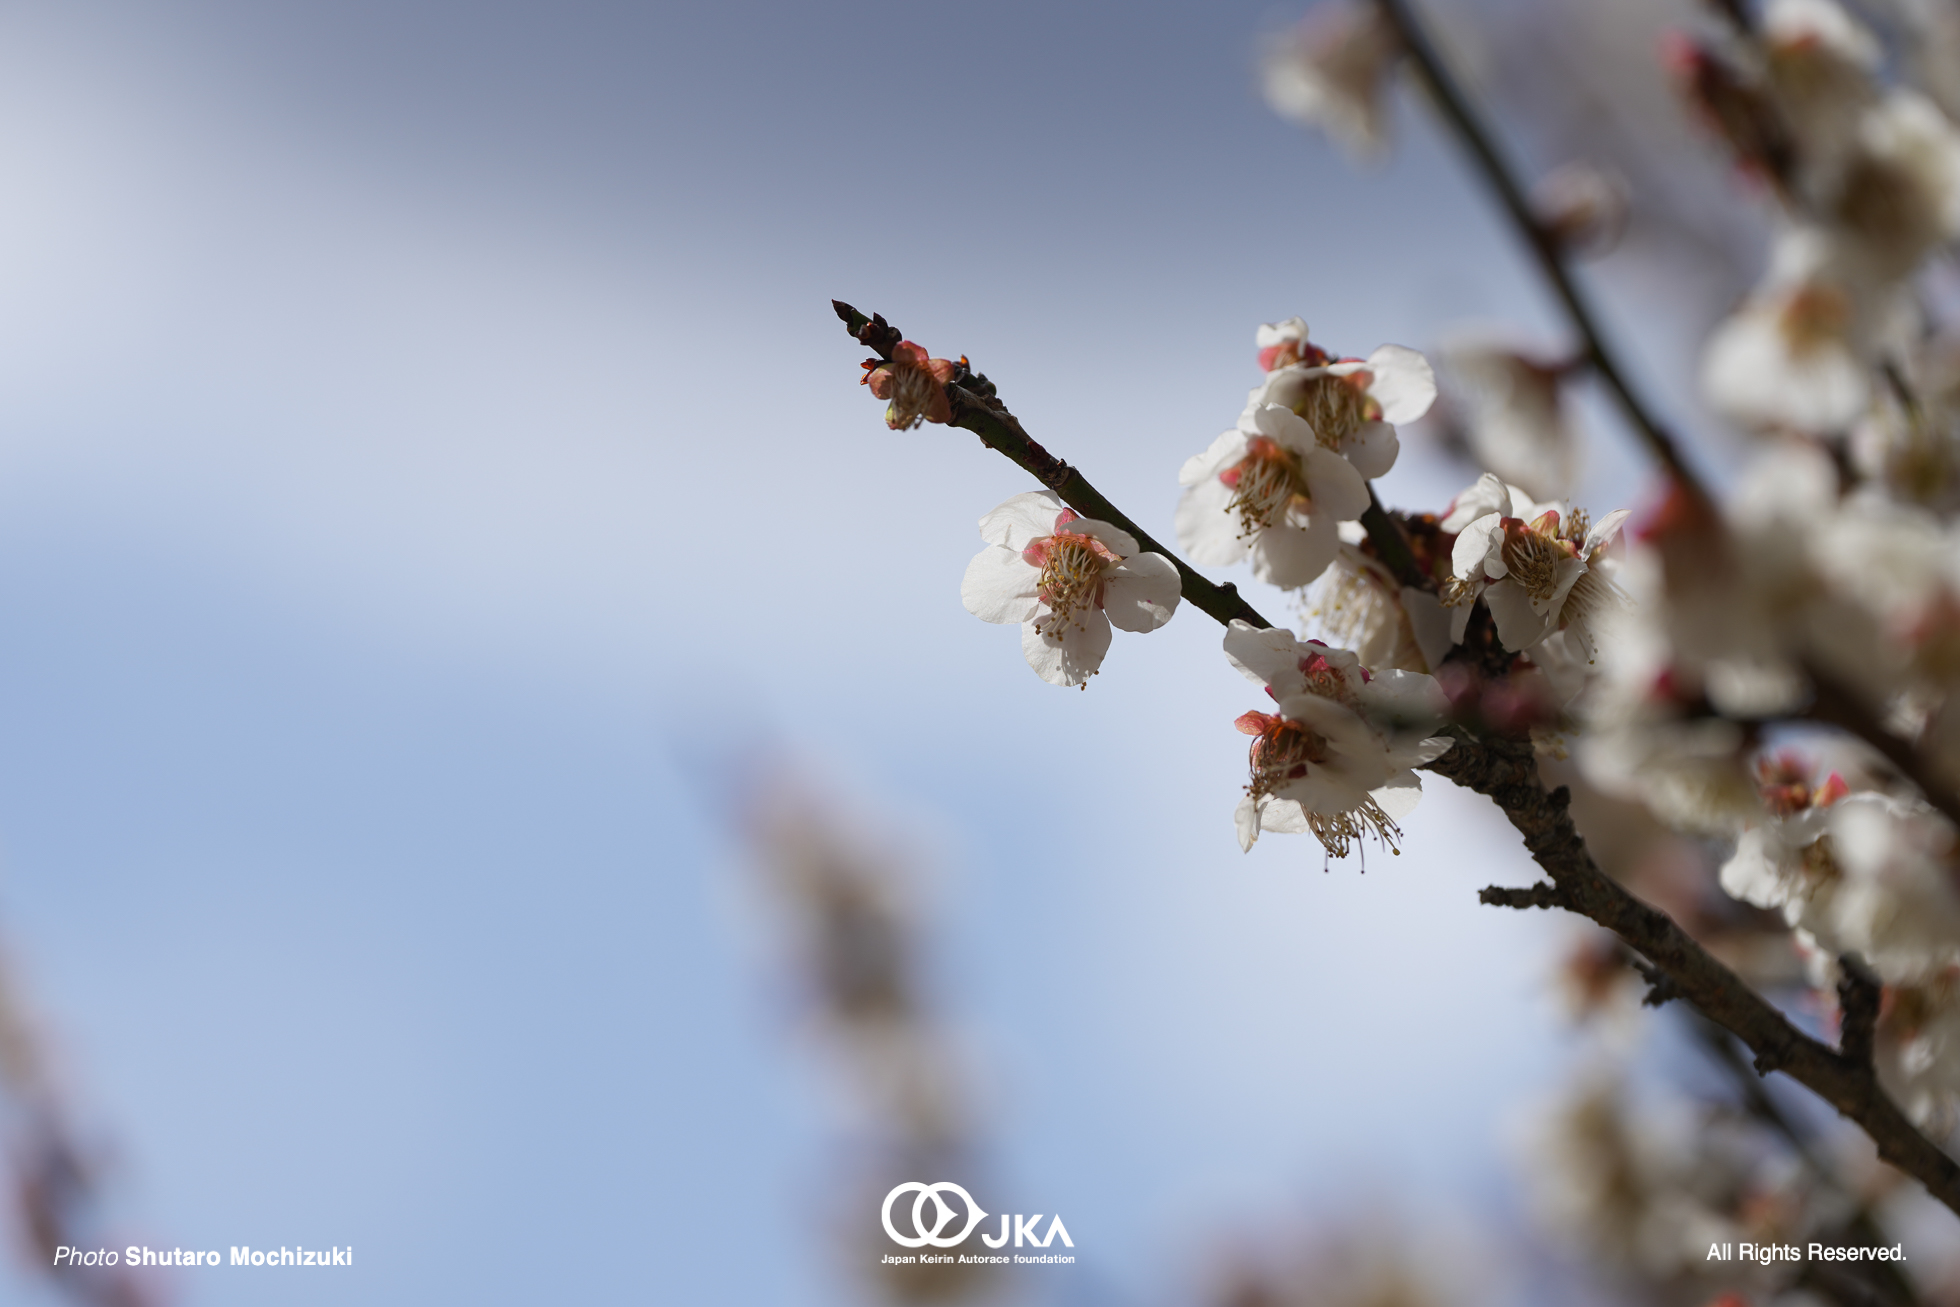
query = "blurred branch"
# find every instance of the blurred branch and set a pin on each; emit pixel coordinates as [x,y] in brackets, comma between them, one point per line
[1871,1282]
[1506,770]
[979,410]
[1479,141]
[56,1189]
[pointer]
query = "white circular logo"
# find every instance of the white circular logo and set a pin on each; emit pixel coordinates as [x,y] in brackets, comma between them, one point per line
[941,1214]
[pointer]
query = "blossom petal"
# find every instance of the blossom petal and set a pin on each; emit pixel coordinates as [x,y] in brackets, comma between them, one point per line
[1751,373]
[1429,622]
[1228,449]
[1115,538]
[1073,655]
[1246,818]
[1207,529]
[1335,486]
[1753,872]
[1142,593]
[1283,816]
[1404,384]
[1475,554]
[1265,655]
[1279,333]
[1292,556]
[1000,587]
[1519,625]
[1404,701]
[1282,424]
[1022,520]
[1398,798]
[1605,529]
[1489,495]
[1339,725]
[1372,448]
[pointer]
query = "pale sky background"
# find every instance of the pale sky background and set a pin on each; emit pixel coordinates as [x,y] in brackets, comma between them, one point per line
[425,440]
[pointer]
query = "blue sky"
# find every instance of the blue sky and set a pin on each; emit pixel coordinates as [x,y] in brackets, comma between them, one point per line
[424,437]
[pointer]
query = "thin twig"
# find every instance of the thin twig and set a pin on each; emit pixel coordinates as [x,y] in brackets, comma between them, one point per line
[977,410]
[1482,146]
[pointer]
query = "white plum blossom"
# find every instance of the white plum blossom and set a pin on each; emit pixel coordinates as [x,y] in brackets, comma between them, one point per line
[1329,72]
[1066,579]
[1269,489]
[1353,405]
[1336,757]
[1536,576]
[1358,604]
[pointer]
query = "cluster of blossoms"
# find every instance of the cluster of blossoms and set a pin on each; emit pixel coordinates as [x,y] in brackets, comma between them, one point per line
[1286,490]
[1828,586]
[1776,674]
[1702,661]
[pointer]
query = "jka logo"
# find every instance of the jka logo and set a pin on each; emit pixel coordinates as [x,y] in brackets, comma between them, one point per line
[943,1215]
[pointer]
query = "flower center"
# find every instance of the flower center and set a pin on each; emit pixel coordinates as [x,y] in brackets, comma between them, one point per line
[1337,407]
[1337,833]
[1283,753]
[1532,553]
[913,390]
[1814,317]
[1266,480]
[1072,569]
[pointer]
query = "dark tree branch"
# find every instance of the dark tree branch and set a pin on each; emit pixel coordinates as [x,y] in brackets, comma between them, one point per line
[1393,546]
[1481,143]
[1505,769]
[1661,989]
[1858,998]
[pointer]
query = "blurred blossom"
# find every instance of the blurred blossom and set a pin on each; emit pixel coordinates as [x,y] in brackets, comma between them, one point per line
[1514,415]
[1582,207]
[1909,442]
[849,906]
[1330,73]
[1795,355]
[1355,1262]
